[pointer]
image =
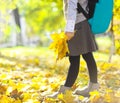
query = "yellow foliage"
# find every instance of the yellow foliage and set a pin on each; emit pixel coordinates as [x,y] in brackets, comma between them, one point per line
[54,86]
[60,96]
[35,85]
[81,98]
[3,89]
[107,98]
[94,96]
[17,101]
[26,96]
[59,45]
[32,101]
[5,99]
[117,94]
[116,24]
[67,97]
[32,84]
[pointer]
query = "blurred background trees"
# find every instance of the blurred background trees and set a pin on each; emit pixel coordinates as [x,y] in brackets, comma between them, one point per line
[27,22]
[30,22]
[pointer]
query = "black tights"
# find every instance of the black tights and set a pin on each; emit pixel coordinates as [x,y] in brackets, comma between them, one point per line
[74,68]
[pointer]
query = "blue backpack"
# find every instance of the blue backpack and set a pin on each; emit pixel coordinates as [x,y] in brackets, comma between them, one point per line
[99,14]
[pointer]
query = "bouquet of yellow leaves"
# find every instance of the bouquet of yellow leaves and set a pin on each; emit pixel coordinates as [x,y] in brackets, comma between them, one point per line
[59,45]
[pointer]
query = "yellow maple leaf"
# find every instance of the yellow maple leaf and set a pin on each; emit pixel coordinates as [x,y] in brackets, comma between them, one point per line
[5,99]
[32,101]
[94,96]
[81,98]
[107,98]
[68,97]
[26,96]
[60,96]
[17,101]
[54,86]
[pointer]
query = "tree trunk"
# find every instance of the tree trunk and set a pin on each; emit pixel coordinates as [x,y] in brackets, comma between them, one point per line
[112,50]
[20,22]
[23,32]
[17,21]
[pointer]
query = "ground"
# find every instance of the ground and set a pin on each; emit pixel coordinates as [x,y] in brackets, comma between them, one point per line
[28,75]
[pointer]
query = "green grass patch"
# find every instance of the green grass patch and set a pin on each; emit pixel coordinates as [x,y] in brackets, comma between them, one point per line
[27,51]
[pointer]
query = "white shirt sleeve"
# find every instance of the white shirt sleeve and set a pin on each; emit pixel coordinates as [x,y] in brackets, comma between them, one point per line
[71,15]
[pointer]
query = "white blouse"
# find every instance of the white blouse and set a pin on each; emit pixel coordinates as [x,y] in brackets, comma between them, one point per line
[71,15]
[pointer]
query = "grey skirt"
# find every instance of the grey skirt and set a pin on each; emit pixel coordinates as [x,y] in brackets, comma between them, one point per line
[83,40]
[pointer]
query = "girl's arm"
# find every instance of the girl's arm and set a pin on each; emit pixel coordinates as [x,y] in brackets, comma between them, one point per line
[71,15]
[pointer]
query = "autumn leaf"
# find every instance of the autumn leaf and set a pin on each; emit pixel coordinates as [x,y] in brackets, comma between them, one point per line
[94,96]
[68,97]
[3,89]
[5,99]
[15,94]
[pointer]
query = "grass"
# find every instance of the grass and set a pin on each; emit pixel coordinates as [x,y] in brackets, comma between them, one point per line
[27,51]
[45,51]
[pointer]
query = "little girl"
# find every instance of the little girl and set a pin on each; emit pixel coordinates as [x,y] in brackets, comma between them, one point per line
[80,42]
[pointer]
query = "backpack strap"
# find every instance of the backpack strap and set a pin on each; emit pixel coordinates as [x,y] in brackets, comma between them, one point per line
[81,10]
[90,8]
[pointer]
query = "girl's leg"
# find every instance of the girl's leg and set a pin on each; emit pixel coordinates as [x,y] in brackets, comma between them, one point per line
[73,70]
[92,68]
[71,77]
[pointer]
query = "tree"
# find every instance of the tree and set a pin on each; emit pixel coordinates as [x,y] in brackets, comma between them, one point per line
[41,16]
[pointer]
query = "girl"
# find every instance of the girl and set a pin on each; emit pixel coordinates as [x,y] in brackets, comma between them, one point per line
[80,42]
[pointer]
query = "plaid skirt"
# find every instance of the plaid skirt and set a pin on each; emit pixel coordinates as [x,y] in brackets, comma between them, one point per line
[83,40]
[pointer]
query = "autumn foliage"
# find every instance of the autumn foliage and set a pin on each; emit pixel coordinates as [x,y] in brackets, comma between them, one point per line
[116,25]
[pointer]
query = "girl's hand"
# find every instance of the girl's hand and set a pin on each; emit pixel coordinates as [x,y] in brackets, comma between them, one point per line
[69,35]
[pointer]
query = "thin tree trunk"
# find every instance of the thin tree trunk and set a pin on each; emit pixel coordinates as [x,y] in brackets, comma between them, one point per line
[112,49]
[20,22]
[17,17]
[23,31]
[17,21]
